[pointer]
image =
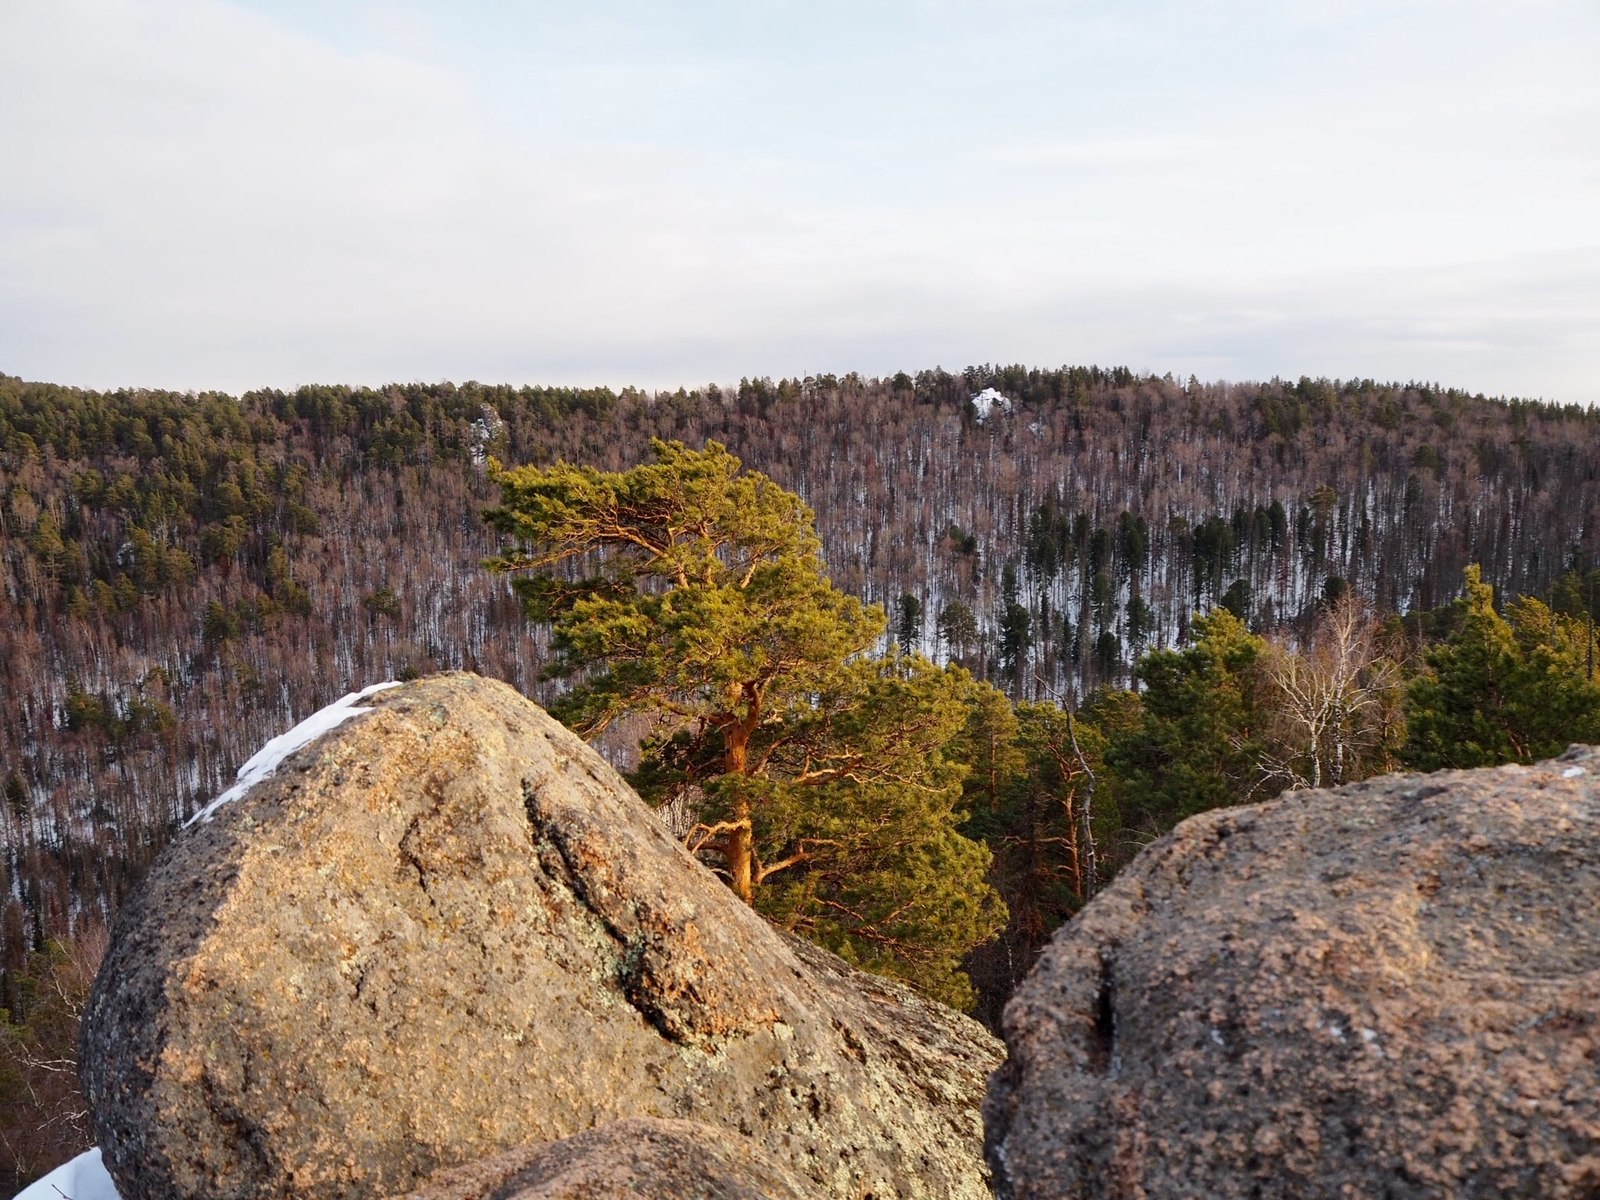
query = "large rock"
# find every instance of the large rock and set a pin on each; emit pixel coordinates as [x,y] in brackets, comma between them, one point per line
[446,929]
[639,1158]
[1388,990]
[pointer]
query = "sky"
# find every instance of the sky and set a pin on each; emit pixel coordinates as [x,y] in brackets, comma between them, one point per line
[202,194]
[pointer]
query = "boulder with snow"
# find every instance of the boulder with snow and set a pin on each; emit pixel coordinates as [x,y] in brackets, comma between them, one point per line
[989,402]
[81,1178]
[1388,990]
[445,928]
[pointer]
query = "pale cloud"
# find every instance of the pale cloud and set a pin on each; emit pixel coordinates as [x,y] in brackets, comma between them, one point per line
[204,193]
[1163,152]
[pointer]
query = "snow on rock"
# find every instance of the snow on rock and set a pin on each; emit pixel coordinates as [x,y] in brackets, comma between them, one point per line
[989,400]
[485,430]
[461,817]
[84,1178]
[265,760]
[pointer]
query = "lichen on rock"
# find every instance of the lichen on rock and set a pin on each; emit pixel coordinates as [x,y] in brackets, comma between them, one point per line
[636,1158]
[447,929]
[1390,989]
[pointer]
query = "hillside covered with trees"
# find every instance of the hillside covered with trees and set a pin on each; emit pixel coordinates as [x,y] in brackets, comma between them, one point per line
[185,576]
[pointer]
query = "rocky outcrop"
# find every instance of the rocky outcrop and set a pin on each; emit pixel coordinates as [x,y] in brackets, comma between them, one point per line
[445,929]
[1388,990]
[633,1159]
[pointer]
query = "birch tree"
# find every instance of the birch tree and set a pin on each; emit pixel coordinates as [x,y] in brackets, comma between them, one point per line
[1334,706]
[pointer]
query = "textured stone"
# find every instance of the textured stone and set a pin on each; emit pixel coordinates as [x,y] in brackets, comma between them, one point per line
[1388,990]
[447,929]
[633,1159]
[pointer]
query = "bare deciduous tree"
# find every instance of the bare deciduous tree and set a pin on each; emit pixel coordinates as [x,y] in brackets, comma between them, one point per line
[1336,703]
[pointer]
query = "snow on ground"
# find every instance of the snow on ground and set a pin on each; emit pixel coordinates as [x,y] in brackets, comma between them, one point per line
[84,1178]
[265,760]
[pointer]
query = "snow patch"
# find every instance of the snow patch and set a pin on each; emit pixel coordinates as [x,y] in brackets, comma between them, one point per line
[485,430]
[989,400]
[84,1178]
[265,760]
[1573,772]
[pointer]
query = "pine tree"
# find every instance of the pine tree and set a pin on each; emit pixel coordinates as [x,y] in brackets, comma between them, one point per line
[694,594]
[1197,742]
[1500,690]
[958,629]
[908,621]
[1016,629]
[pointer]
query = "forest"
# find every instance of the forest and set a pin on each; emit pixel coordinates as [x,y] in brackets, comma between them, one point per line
[1156,597]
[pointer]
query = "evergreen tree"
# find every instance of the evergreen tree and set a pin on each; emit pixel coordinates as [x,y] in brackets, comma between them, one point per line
[1034,792]
[1141,620]
[1197,741]
[705,607]
[1500,690]
[1237,599]
[1016,628]
[17,796]
[866,807]
[958,629]
[46,543]
[908,621]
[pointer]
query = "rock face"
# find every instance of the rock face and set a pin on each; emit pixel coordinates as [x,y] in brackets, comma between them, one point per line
[1388,990]
[633,1159]
[447,929]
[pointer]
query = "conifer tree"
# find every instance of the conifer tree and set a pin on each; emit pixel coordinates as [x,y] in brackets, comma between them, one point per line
[694,594]
[1197,742]
[1500,690]
[908,622]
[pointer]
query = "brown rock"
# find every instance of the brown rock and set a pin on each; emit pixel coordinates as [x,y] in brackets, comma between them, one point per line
[447,929]
[633,1159]
[1388,990]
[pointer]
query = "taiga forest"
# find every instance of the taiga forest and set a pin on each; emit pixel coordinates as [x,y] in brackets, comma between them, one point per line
[1085,603]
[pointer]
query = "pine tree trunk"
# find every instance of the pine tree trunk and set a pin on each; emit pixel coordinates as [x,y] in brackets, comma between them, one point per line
[740,856]
[740,853]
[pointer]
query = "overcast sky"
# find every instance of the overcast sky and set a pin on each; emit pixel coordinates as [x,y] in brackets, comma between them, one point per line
[200,194]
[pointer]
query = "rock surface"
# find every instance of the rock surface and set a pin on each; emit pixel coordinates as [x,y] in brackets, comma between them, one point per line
[448,929]
[633,1159]
[1388,990]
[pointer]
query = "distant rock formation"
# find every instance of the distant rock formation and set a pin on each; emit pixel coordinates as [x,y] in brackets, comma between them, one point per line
[446,929]
[1388,990]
